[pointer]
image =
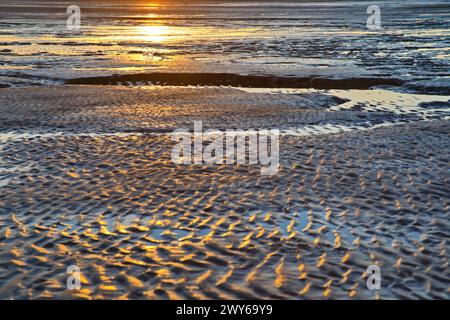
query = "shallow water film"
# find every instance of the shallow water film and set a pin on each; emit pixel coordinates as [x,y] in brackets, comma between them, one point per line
[94,206]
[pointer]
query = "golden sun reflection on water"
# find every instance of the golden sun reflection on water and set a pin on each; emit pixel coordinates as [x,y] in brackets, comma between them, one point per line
[155,33]
[169,33]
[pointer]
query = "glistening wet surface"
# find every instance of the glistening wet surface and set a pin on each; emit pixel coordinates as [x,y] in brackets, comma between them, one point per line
[86,179]
[325,39]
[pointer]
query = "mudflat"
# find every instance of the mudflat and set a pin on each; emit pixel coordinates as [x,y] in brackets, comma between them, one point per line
[86,179]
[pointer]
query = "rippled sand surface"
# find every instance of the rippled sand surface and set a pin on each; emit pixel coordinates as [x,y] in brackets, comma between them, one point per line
[86,179]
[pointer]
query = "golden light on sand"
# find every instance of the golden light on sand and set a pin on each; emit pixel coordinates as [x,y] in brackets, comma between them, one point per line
[206,150]
[155,33]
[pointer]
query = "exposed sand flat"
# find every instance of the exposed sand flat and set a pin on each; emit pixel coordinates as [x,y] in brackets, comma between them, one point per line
[99,191]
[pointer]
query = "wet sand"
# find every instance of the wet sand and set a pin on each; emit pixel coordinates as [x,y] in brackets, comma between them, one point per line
[86,179]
